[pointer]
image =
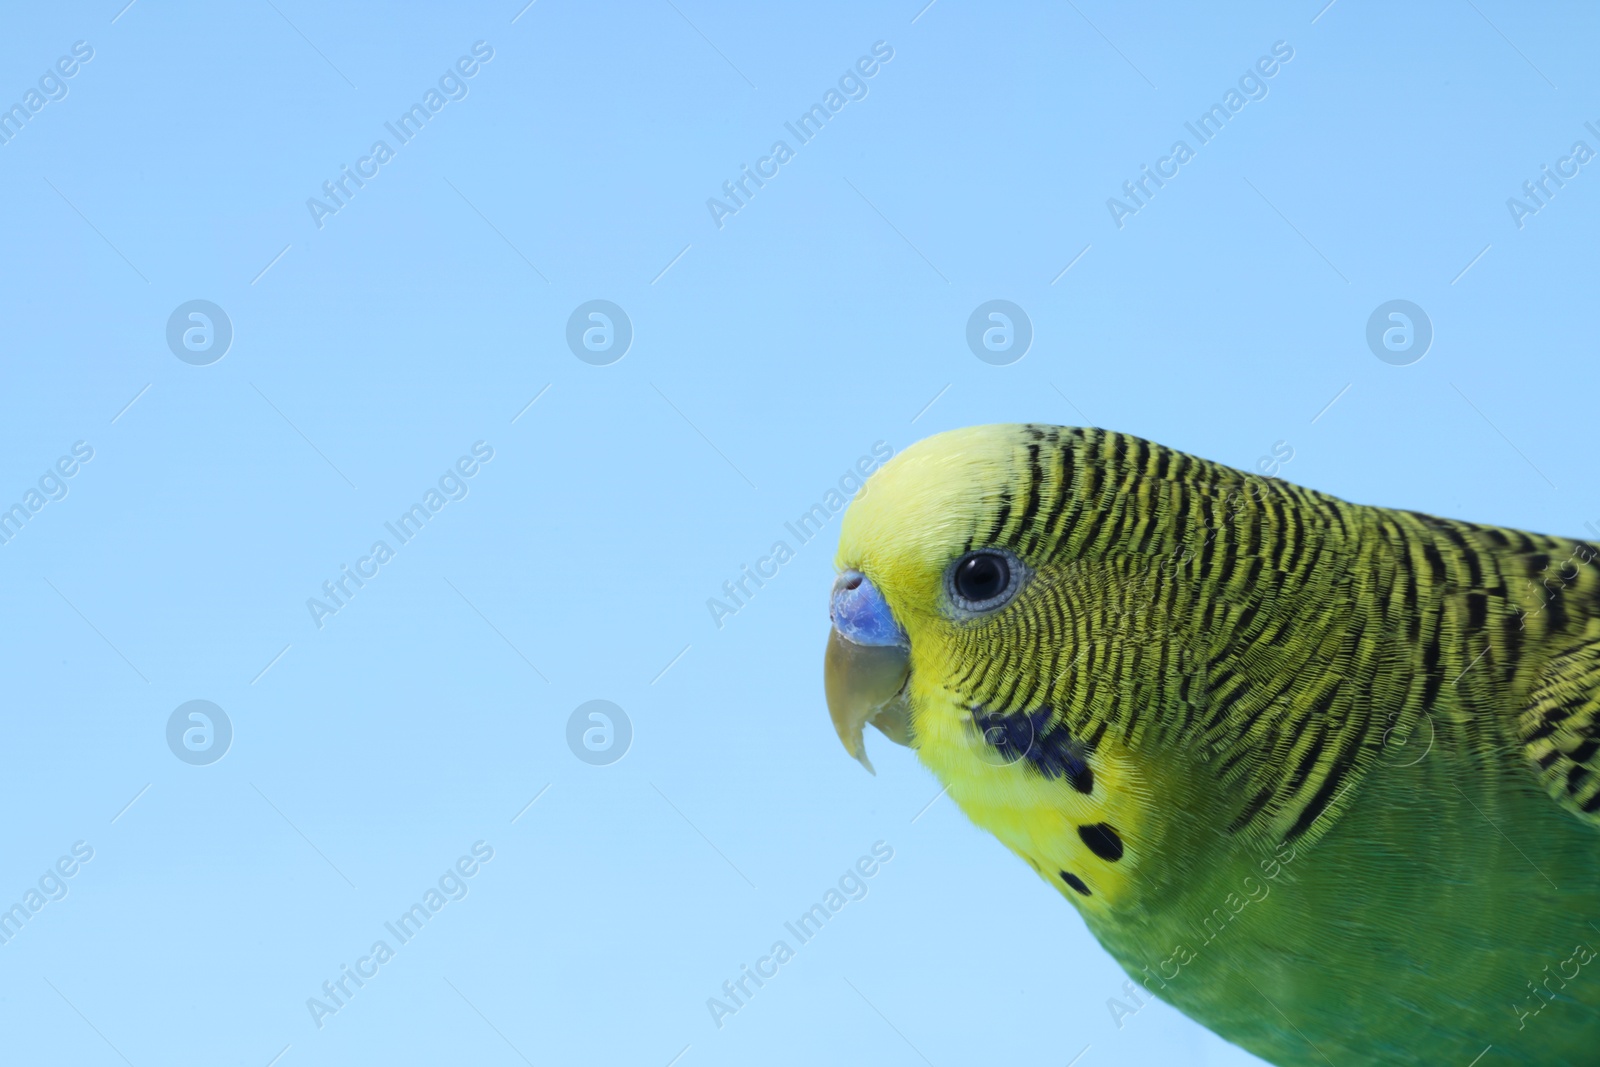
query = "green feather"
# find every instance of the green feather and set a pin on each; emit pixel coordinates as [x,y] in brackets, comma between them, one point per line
[1349,756]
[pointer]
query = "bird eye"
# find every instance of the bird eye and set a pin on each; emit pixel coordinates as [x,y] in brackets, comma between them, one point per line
[984,580]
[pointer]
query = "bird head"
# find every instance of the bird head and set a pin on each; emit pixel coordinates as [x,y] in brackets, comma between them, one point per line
[933,570]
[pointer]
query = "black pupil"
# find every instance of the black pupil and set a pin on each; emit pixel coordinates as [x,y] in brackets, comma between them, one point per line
[982,577]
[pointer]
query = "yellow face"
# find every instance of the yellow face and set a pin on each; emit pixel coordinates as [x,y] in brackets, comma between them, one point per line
[894,599]
[952,632]
[918,511]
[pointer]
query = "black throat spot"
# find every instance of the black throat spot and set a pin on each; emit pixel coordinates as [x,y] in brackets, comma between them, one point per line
[1045,745]
[1103,840]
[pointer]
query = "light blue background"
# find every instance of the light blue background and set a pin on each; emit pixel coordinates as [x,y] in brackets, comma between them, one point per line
[823,317]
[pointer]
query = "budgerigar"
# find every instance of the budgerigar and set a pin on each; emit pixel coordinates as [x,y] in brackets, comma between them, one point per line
[1324,776]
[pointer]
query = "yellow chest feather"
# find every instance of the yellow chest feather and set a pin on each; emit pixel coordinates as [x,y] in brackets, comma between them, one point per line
[1084,832]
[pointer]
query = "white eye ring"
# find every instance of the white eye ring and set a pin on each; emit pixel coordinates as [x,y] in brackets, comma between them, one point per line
[984,580]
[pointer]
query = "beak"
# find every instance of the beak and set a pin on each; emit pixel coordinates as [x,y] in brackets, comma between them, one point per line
[867,666]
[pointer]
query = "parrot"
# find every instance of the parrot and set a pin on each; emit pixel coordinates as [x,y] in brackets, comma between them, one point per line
[1323,776]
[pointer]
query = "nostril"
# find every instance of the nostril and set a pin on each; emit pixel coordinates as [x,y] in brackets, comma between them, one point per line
[860,614]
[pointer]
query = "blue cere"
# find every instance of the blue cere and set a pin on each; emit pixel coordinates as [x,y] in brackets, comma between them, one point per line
[860,613]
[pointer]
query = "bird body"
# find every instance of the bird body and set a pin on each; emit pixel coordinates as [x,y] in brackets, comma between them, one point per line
[1324,776]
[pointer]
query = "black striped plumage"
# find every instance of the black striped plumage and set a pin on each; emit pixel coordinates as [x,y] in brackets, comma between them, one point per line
[1253,619]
